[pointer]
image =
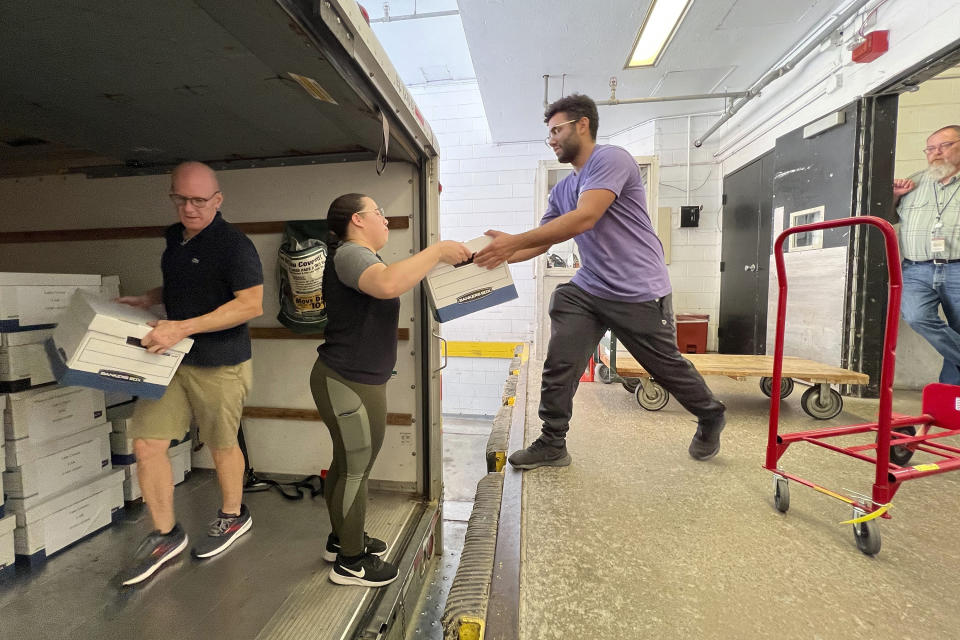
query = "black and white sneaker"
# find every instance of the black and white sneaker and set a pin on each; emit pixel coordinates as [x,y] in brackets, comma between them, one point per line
[223,532]
[155,550]
[367,571]
[373,546]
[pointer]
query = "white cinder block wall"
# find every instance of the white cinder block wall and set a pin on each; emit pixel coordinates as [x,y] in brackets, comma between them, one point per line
[485,186]
[687,175]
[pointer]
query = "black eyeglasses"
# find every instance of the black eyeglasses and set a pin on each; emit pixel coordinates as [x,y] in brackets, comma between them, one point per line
[180,200]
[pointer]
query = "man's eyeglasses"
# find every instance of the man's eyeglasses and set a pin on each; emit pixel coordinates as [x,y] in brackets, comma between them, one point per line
[379,211]
[553,131]
[943,146]
[180,200]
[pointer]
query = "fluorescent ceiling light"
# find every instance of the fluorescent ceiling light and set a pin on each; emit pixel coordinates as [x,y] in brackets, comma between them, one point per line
[659,25]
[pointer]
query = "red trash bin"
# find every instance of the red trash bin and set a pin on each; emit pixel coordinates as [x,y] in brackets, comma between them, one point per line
[692,332]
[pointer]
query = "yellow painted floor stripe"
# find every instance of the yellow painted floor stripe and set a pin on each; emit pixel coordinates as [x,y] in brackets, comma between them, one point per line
[481,349]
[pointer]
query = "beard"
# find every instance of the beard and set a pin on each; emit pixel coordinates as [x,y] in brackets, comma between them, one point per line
[940,170]
[568,150]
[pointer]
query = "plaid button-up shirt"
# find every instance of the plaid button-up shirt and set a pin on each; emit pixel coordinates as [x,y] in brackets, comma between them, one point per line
[918,215]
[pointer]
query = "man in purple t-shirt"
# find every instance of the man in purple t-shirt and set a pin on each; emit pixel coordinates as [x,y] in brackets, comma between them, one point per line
[622,284]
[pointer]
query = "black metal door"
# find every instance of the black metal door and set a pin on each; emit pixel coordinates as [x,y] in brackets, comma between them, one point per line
[745,257]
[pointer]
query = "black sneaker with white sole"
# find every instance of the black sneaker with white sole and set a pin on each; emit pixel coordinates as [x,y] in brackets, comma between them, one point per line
[155,550]
[366,571]
[223,532]
[373,546]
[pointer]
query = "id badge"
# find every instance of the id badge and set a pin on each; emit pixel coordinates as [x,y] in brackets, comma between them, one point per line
[938,245]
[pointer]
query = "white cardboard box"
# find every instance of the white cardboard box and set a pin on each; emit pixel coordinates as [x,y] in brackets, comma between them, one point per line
[51,412]
[98,345]
[455,291]
[7,556]
[47,468]
[40,299]
[24,366]
[53,524]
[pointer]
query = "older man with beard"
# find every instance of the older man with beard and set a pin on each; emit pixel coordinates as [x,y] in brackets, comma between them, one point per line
[622,284]
[929,210]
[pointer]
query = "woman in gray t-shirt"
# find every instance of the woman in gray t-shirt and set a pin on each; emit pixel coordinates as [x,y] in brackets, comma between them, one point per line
[353,365]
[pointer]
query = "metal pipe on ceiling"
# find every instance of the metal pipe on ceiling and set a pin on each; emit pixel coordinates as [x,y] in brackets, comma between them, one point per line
[813,42]
[416,16]
[698,96]
[615,101]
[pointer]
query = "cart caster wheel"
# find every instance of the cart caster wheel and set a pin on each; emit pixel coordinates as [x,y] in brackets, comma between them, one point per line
[630,384]
[900,455]
[603,374]
[818,407]
[651,396]
[781,494]
[867,534]
[786,386]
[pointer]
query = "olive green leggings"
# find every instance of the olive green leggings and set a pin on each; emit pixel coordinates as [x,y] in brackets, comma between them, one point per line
[356,415]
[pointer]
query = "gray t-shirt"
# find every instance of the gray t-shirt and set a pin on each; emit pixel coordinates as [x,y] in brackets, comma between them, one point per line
[360,340]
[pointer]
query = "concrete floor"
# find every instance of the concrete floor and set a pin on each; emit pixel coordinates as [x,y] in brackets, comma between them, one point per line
[637,540]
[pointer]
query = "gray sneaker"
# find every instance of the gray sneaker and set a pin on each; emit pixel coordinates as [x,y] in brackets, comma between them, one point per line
[540,454]
[706,441]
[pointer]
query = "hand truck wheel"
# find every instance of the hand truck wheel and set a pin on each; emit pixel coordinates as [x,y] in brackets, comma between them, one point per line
[651,396]
[786,386]
[781,494]
[867,534]
[819,406]
[603,374]
[899,454]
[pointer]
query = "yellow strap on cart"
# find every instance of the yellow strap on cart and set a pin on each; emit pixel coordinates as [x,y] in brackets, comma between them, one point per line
[870,516]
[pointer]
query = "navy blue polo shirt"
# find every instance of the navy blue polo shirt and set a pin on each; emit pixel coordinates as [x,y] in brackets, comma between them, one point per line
[201,274]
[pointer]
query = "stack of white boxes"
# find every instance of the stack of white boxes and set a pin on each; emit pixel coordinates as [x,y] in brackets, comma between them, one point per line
[7,524]
[122,455]
[58,481]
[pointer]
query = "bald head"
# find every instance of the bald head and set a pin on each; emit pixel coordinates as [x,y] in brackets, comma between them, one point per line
[193,172]
[196,194]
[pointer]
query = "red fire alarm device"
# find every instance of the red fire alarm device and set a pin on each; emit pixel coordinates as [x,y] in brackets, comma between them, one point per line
[873,46]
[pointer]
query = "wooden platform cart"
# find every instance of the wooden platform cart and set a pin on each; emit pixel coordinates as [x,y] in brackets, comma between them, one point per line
[819,401]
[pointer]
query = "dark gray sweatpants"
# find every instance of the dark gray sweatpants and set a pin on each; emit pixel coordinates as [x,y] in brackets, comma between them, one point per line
[577,322]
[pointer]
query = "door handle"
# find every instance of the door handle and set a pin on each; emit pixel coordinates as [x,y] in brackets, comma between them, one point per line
[443,351]
[749,267]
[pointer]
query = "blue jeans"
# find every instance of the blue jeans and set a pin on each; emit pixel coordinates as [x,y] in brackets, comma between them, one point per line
[925,288]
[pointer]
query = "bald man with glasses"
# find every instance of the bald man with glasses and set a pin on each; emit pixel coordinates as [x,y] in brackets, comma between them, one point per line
[212,286]
[929,209]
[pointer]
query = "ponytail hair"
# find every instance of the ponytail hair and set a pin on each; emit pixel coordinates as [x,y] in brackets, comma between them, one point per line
[338,218]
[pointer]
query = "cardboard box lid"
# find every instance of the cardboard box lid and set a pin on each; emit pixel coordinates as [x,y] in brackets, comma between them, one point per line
[35,508]
[11,279]
[114,318]
[27,450]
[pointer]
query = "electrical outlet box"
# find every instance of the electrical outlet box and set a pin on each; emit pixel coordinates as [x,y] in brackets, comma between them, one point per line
[690,215]
[873,46]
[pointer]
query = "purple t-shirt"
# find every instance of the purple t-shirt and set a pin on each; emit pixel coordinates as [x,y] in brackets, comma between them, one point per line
[621,256]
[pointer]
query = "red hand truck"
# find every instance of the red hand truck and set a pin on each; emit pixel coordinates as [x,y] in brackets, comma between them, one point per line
[940,407]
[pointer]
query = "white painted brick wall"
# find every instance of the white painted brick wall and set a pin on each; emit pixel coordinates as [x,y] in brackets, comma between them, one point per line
[485,186]
[695,253]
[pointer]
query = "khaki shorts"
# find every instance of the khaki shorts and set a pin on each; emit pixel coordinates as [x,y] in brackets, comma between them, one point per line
[212,396]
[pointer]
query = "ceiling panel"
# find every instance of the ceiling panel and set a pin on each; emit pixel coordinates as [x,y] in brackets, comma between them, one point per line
[513,44]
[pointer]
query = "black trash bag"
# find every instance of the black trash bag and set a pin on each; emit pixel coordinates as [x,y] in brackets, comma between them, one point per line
[300,263]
